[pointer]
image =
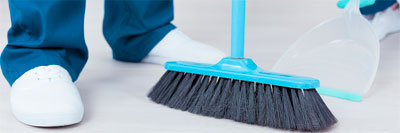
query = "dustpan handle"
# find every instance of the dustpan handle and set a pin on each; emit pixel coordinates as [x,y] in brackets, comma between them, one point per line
[237,29]
[353,7]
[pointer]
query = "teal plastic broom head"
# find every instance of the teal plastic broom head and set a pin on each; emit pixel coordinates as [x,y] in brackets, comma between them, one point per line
[243,69]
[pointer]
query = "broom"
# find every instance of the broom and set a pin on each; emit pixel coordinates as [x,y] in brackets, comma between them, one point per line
[236,88]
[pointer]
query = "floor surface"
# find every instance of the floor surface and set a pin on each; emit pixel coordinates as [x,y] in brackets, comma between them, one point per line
[114,93]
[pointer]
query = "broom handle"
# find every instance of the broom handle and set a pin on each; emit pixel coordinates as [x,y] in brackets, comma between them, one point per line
[237,29]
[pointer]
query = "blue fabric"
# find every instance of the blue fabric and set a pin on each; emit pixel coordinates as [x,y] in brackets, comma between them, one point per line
[133,28]
[379,5]
[51,32]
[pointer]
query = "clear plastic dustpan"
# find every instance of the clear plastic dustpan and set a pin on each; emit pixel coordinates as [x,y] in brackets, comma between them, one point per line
[342,52]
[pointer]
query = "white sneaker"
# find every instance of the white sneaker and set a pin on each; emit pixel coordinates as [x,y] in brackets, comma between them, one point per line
[46,97]
[176,46]
[386,22]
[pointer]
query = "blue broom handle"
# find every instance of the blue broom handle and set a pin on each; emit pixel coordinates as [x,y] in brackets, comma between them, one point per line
[237,29]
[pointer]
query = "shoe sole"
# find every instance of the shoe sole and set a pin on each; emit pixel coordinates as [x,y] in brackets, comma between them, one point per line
[49,120]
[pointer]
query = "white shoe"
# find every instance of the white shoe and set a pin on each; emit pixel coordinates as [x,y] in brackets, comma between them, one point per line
[176,46]
[46,97]
[386,22]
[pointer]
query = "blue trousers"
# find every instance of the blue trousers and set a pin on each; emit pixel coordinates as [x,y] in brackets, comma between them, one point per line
[379,5]
[50,32]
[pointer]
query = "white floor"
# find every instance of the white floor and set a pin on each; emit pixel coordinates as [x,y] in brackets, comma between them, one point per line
[114,93]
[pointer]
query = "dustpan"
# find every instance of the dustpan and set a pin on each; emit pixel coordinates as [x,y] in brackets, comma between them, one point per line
[342,52]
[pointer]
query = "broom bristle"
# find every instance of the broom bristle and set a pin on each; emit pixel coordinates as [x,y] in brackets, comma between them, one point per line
[243,101]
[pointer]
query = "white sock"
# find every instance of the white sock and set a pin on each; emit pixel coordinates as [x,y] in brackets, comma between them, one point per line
[176,46]
[386,22]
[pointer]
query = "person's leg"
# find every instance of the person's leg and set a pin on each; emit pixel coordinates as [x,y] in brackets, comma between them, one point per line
[384,16]
[46,51]
[142,31]
[44,33]
[378,6]
[133,27]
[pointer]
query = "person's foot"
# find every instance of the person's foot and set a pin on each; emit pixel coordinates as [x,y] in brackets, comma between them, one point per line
[176,46]
[387,21]
[46,97]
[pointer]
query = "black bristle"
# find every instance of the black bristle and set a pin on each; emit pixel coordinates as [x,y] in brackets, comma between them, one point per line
[327,114]
[234,102]
[265,106]
[158,87]
[278,105]
[271,111]
[208,95]
[165,87]
[261,103]
[298,112]
[243,101]
[195,107]
[222,103]
[288,111]
[212,106]
[193,93]
[166,95]
[251,116]
[181,91]
[318,112]
[315,120]
[162,85]
[305,111]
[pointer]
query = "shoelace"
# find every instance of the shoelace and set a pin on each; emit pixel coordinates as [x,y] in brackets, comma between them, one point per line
[47,73]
